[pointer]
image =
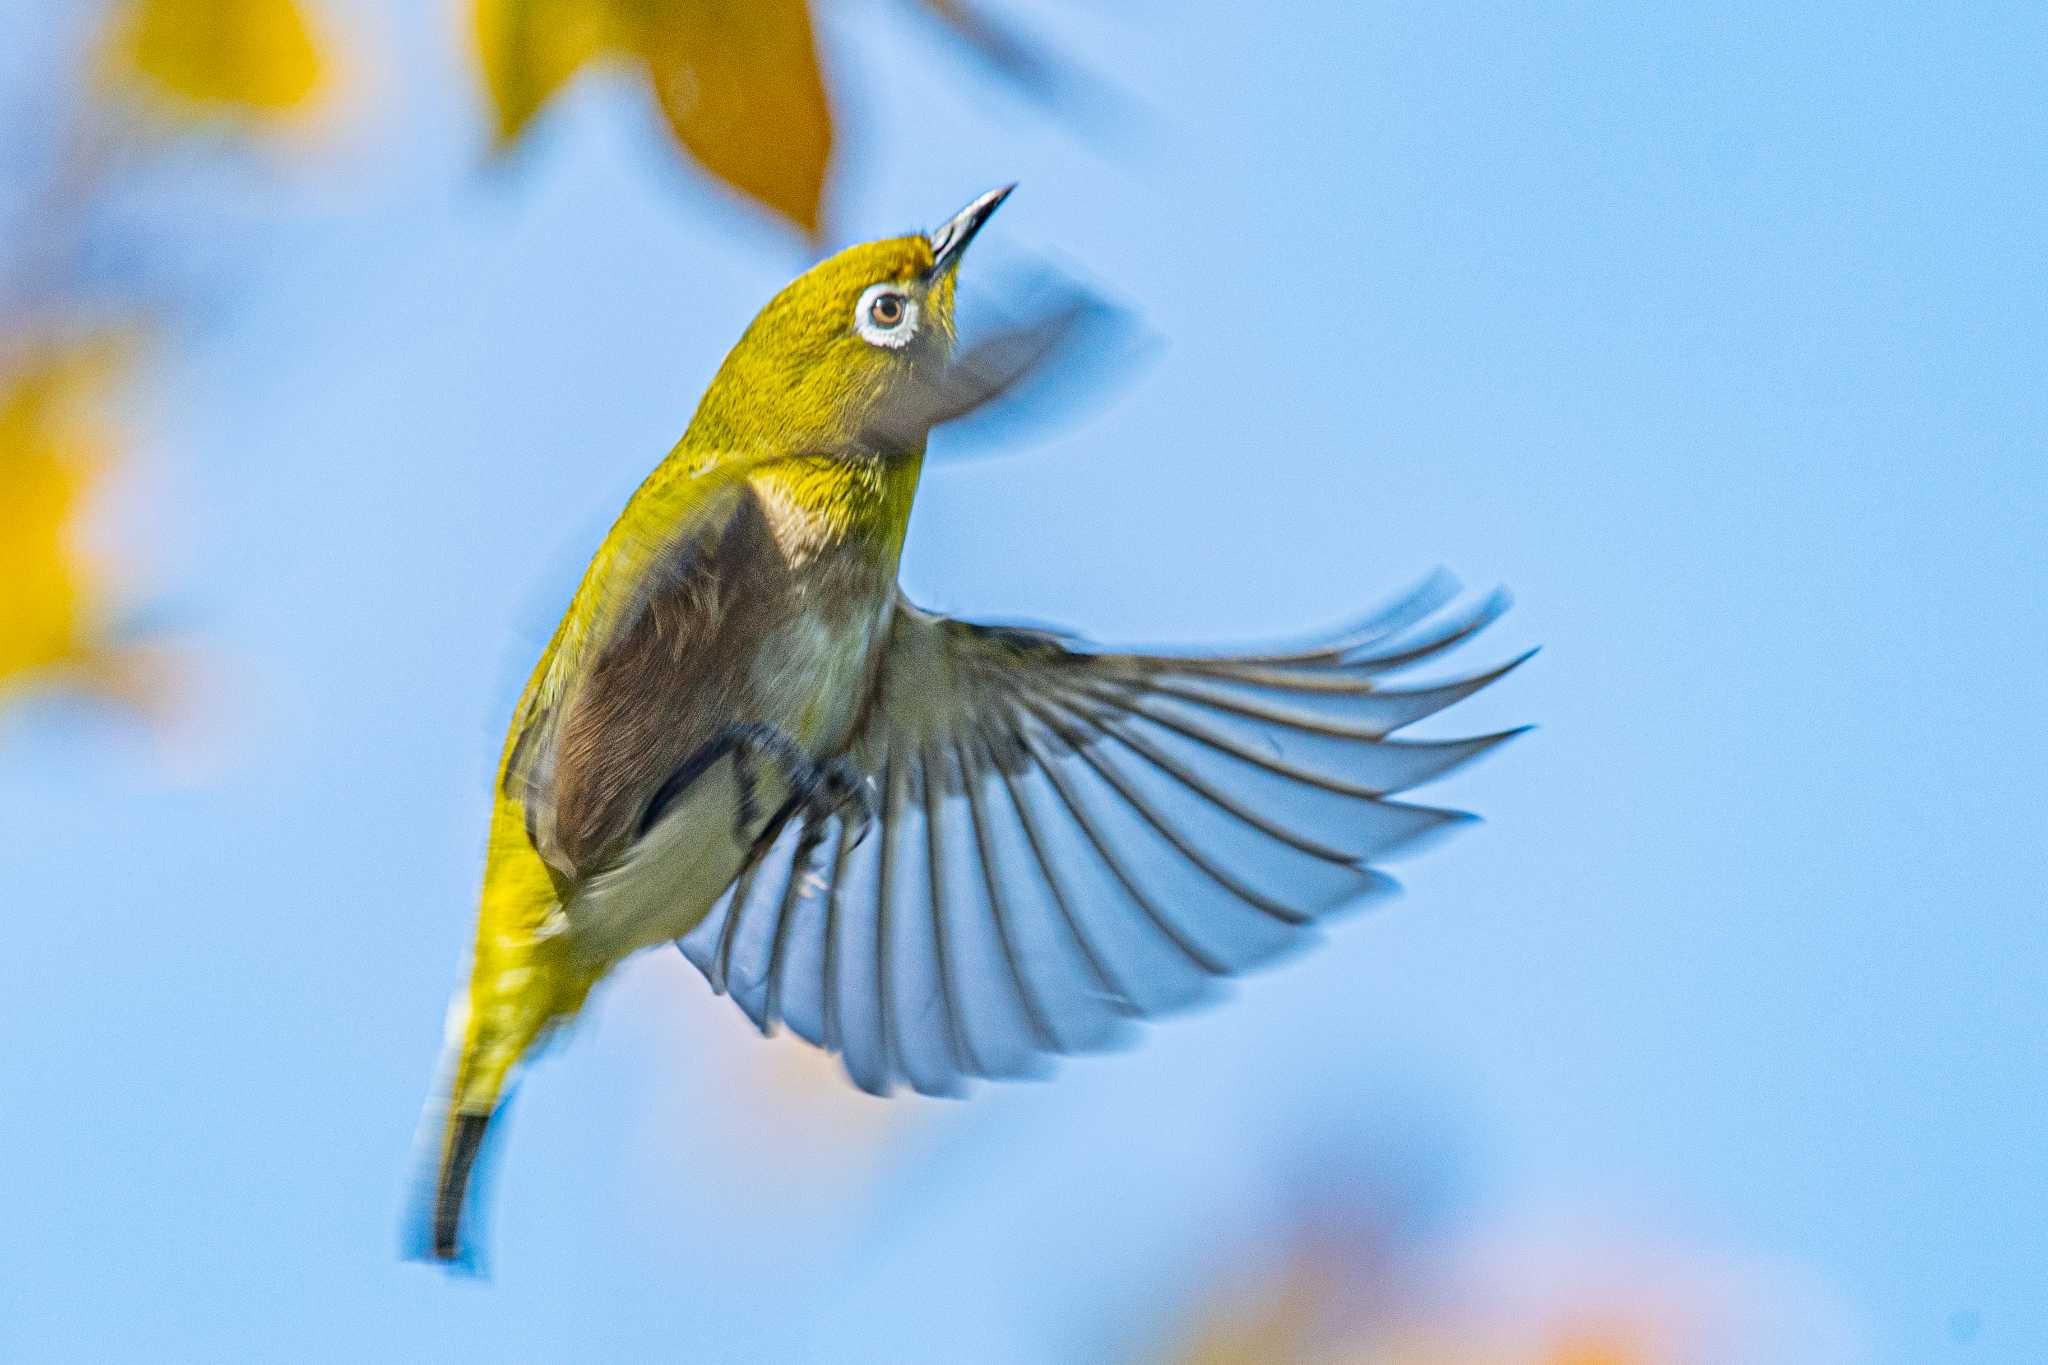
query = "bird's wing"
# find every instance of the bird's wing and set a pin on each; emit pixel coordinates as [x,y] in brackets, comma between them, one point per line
[1070,838]
[1068,332]
[600,723]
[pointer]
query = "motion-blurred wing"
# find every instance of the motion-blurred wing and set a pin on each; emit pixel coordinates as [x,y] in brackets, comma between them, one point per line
[1070,838]
[1062,335]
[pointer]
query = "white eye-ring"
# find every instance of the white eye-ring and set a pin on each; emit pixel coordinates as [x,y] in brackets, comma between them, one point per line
[885,316]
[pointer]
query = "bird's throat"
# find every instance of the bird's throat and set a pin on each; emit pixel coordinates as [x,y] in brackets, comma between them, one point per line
[818,504]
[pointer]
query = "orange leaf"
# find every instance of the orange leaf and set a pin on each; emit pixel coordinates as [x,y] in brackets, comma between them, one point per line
[739,82]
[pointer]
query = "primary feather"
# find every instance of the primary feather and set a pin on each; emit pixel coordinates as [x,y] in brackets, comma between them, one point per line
[1070,836]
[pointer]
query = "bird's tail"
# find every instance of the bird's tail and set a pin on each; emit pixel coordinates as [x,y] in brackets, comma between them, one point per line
[451,1145]
[488,1039]
[522,985]
[465,1143]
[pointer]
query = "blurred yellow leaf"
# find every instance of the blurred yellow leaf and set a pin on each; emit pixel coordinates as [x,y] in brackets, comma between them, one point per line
[737,79]
[255,57]
[53,447]
[531,48]
[739,82]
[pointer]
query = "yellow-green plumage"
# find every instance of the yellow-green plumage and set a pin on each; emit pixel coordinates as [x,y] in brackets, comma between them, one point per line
[783,426]
[739,639]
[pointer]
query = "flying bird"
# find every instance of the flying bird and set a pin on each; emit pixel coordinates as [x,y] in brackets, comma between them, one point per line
[940,849]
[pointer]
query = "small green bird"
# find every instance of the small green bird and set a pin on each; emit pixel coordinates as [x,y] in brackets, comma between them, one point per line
[939,849]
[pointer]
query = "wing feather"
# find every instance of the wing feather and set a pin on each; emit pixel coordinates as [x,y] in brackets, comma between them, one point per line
[795,890]
[1412,607]
[1070,838]
[797,978]
[1105,849]
[991,865]
[959,1045]
[1108,984]
[857,1020]
[1114,777]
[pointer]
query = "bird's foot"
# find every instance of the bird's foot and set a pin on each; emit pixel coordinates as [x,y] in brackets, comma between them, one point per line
[817,791]
[847,792]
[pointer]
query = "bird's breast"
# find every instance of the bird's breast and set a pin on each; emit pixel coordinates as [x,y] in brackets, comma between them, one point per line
[809,673]
[800,663]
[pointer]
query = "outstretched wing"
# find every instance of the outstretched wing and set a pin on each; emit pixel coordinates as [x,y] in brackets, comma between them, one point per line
[1069,838]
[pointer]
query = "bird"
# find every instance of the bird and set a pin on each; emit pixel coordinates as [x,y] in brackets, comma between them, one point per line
[943,850]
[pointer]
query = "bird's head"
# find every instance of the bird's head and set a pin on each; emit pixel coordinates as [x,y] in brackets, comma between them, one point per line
[822,365]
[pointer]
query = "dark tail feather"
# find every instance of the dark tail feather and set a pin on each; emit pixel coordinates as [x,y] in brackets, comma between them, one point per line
[465,1140]
[444,1225]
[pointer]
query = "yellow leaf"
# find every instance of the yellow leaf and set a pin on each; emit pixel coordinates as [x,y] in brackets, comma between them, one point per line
[739,82]
[53,447]
[531,48]
[250,56]
[737,79]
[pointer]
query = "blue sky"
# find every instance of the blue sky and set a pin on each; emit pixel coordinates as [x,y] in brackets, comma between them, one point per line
[1718,336]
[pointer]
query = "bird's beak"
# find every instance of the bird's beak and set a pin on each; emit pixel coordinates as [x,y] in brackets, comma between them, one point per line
[951,240]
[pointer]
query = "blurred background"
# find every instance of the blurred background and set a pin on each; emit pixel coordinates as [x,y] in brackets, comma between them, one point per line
[332,336]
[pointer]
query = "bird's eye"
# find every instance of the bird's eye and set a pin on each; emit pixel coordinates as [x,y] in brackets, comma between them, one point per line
[886,316]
